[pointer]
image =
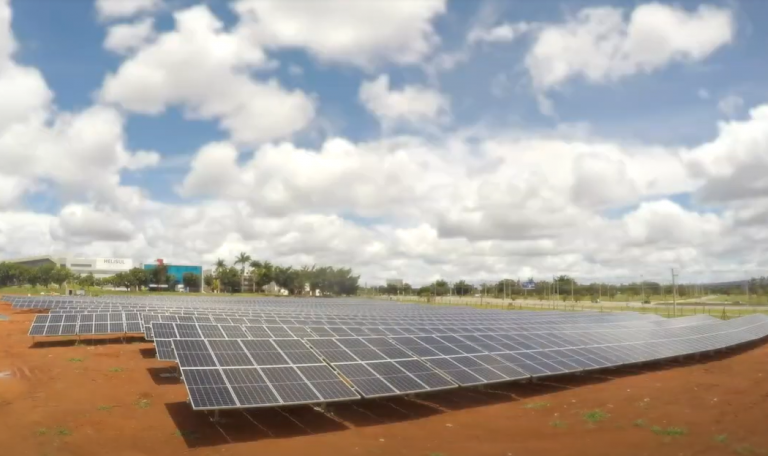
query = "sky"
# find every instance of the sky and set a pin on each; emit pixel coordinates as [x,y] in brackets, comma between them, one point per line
[420,139]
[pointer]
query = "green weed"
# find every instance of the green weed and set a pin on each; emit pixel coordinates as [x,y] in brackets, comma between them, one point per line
[558,424]
[722,438]
[639,423]
[186,434]
[143,403]
[42,431]
[116,369]
[595,416]
[536,405]
[75,360]
[63,431]
[670,431]
[104,407]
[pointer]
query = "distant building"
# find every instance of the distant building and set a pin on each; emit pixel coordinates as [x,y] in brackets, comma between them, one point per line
[396,282]
[275,289]
[99,267]
[176,270]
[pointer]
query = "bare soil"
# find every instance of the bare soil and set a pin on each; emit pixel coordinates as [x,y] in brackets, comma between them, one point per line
[106,397]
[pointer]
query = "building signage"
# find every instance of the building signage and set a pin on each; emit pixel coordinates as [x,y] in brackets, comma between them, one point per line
[114,264]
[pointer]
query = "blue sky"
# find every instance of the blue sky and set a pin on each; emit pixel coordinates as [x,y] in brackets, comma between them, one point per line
[481,121]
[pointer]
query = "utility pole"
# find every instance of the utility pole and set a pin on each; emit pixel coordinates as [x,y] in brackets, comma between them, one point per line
[642,287]
[572,300]
[674,292]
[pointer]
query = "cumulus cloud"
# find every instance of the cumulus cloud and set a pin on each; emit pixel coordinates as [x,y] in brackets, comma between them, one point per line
[503,33]
[733,166]
[80,154]
[120,9]
[365,34]
[125,38]
[477,205]
[203,68]
[413,104]
[600,45]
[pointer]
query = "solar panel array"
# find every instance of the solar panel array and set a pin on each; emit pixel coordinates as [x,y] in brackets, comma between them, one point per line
[240,352]
[86,324]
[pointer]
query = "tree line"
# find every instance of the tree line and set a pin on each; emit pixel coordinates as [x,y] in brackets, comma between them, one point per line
[566,288]
[296,281]
[137,279]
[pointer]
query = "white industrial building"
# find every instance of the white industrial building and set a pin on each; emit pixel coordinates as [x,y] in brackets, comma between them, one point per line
[99,267]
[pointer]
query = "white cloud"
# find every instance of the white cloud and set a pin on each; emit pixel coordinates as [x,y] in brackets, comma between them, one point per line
[477,205]
[7,43]
[205,69]
[599,45]
[503,33]
[703,94]
[365,34]
[125,38]
[121,9]
[730,105]
[71,154]
[734,165]
[413,104]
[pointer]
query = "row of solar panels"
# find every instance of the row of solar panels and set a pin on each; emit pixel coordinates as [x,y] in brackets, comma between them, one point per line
[86,324]
[478,340]
[164,330]
[266,372]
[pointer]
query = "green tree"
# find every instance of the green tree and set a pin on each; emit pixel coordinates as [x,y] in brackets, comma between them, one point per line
[229,279]
[191,280]
[242,259]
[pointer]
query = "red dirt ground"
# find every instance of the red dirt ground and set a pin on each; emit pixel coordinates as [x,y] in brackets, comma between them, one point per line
[53,397]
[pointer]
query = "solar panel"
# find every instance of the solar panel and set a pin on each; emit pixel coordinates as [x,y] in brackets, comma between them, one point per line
[264,352]
[366,381]
[233,332]
[207,389]
[257,332]
[164,350]
[250,387]
[326,383]
[289,385]
[193,353]
[210,331]
[331,350]
[360,350]
[297,352]
[188,331]
[162,330]
[229,353]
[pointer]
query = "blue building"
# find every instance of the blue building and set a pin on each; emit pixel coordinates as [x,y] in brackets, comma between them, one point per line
[178,271]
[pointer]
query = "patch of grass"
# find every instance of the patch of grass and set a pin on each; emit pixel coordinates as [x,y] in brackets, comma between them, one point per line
[744,449]
[558,424]
[594,416]
[639,423]
[75,360]
[104,407]
[63,431]
[536,405]
[722,438]
[143,403]
[41,431]
[116,369]
[192,434]
[670,431]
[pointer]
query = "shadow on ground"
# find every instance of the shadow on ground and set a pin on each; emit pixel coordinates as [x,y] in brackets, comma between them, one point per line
[89,341]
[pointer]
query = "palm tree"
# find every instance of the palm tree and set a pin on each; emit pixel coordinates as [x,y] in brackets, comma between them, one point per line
[220,265]
[242,260]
